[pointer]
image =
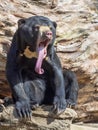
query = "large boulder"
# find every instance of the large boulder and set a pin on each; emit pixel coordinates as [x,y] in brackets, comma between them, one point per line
[76,42]
[42,119]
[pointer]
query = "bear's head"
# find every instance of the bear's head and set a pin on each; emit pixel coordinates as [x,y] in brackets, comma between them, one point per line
[36,35]
[36,31]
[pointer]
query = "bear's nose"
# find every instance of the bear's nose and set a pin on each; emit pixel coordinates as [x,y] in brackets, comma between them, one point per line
[48,34]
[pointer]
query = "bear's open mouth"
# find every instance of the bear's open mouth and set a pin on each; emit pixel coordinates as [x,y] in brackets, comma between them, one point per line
[44,42]
[42,52]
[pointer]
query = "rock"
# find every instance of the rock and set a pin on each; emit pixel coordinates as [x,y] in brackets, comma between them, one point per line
[2,24]
[76,41]
[42,119]
[1,101]
[82,126]
[9,32]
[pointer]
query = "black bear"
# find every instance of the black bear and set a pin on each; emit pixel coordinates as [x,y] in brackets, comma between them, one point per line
[34,71]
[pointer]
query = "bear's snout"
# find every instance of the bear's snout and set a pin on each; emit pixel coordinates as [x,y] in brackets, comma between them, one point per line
[45,32]
[48,34]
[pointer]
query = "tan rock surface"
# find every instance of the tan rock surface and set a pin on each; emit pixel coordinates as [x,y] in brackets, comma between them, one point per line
[42,119]
[76,42]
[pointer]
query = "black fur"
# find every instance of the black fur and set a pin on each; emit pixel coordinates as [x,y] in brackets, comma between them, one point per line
[30,88]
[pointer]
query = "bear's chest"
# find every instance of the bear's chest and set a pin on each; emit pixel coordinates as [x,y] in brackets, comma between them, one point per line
[30,63]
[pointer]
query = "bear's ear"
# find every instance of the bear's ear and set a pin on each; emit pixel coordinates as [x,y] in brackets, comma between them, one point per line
[55,24]
[21,22]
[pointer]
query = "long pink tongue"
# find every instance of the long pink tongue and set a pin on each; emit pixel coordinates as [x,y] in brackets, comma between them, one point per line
[41,56]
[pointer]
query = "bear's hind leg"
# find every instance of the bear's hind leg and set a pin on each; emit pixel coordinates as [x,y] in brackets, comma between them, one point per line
[71,87]
[35,90]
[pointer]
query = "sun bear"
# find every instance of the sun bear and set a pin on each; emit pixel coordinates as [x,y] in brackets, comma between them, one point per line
[34,70]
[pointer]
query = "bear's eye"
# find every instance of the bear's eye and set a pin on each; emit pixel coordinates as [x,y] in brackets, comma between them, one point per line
[37,27]
[50,27]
